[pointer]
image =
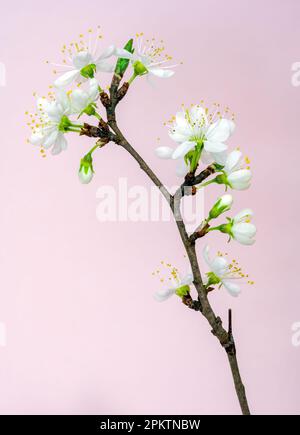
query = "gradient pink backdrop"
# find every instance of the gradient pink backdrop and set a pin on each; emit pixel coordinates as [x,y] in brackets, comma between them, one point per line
[84,334]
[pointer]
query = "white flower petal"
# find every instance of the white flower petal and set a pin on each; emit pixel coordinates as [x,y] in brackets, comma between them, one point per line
[181,120]
[85,177]
[163,295]
[42,104]
[164,152]
[108,52]
[93,91]
[220,131]
[244,240]
[37,138]
[124,54]
[220,157]
[67,78]
[240,186]
[233,161]
[50,138]
[60,144]
[240,179]
[62,102]
[182,168]
[178,137]
[55,111]
[79,100]
[206,157]
[183,149]
[232,288]
[214,147]
[198,116]
[206,256]
[162,73]
[226,200]
[243,215]
[63,142]
[187,280]
[219,266]
[104,66]
[185,129]
[244,229]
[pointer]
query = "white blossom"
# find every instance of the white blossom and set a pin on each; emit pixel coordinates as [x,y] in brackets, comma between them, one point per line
[52,122]
[148,58]
[223,273]
[180,286]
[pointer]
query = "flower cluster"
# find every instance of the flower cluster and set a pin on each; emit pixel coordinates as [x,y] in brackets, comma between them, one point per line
[77,86]
[201,136]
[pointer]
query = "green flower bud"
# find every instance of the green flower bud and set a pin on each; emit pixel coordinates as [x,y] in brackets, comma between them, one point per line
[223,204]
[88,71]
[86,170]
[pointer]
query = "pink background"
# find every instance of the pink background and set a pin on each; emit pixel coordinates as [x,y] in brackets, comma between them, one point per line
[84,334]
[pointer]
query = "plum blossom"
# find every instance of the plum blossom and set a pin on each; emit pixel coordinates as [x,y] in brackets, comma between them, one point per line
[148,58]
[234,173]
[83,61]
[239,228]
[83,101]
[53,122]
[242,230]
[196,131]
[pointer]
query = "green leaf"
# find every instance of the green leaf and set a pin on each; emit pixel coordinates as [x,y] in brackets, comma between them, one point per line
[122,64]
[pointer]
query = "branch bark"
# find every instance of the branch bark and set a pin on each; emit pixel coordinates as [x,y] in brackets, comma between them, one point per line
[203,305]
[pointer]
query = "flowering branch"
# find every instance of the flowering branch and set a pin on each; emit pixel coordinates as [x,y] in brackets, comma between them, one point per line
[202,304]
[200,136]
